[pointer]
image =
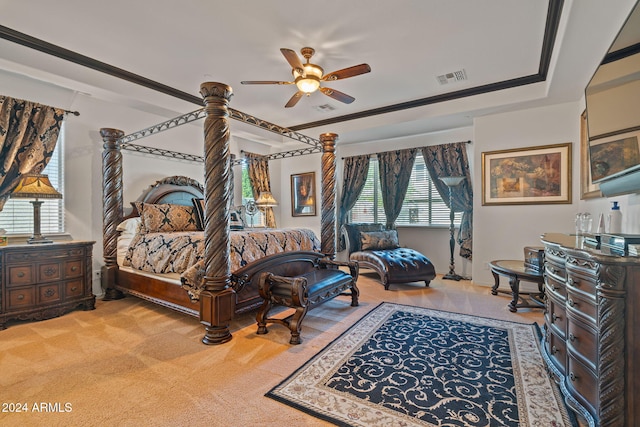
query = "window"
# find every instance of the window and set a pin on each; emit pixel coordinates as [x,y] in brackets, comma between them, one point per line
[257,219]
[17,215]
[422,205]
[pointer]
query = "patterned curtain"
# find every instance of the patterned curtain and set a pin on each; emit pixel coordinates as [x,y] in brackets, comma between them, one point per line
[259,178]
[395,172]
[452,160]
[28,136]
[355,173]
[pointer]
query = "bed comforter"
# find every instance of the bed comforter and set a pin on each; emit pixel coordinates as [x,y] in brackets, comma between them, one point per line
[183,252]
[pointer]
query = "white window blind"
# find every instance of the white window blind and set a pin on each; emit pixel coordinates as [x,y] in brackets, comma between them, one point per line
[17,215]
[422,205]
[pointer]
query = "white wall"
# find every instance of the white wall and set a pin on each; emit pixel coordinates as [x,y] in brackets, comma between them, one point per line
[502,231]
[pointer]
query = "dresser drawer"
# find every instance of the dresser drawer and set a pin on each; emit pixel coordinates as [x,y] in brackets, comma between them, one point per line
[582,306]
[73,288]
[581,283]
[20,275]
[73,269]
[49,293]
[50,272]
[582,384]
[21,298]
[582,343]
[555,286]
[556,316]
[557,351]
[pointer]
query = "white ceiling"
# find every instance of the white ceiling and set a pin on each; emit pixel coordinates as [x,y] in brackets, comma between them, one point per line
[407,43]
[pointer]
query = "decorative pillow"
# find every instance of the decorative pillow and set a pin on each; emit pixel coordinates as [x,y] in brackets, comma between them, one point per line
[129,226]
[377,240]
[167,217]
[198,206]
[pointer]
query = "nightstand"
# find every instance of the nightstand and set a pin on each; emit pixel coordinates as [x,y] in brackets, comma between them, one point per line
[41,281]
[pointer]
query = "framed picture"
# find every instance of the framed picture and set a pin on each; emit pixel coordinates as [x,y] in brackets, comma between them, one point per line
[303,194]
[614,155]
[588,189]
[527,176]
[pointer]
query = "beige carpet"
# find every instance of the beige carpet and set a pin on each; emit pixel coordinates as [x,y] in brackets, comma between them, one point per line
[131,363]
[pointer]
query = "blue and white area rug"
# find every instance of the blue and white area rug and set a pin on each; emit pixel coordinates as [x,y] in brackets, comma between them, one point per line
[410,366]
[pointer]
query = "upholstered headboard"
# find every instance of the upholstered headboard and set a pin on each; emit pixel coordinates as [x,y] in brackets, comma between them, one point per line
[351,234]
[177,190]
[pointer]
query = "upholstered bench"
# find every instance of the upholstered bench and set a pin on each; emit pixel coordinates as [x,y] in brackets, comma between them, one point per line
[393,264]
[303,290]
[400,265]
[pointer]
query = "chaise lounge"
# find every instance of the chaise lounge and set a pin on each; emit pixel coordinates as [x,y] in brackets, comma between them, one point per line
[376,248]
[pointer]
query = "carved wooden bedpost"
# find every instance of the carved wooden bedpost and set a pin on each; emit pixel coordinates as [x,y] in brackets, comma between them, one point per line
[217,301]
[112,209]
[328,210]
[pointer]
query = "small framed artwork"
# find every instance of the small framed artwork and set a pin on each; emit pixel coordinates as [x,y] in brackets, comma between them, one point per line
[588,189]
[527,176]
[303,194]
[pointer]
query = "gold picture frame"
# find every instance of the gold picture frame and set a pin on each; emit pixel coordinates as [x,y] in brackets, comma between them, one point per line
[588,190]
[303,194]
[527,176]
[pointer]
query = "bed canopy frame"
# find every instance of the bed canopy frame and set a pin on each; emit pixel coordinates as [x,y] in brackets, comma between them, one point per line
[217,302]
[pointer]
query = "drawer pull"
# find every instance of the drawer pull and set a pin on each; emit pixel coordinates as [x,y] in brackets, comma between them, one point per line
[554,349]
[572,337]
[571,303]
[75,288]
[555,317]
[49,292]
[20,297]
[20,274]
[573,376]
[74,268]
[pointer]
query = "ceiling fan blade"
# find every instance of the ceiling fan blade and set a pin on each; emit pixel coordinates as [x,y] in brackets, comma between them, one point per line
[356,70]
[294,99]
[265,82]
[337,95]
[292,58]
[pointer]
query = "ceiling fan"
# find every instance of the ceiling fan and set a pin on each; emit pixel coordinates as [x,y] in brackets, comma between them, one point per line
[307,77]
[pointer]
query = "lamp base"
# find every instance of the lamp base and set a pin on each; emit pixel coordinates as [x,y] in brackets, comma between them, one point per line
[453,276]
[38,240]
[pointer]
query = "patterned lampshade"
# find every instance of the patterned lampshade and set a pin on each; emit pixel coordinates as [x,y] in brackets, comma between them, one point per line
[266,199]
[35,186]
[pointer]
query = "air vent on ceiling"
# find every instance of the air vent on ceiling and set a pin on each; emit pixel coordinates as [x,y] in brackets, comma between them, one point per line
[324,108]
[456,76]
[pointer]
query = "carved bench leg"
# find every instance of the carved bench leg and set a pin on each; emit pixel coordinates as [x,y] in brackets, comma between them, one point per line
[261,317]
[295,324]
[426,283]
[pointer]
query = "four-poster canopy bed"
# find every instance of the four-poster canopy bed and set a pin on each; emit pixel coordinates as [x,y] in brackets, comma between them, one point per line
[222,291]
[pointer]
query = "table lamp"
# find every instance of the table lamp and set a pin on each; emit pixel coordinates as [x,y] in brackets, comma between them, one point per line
[36,186]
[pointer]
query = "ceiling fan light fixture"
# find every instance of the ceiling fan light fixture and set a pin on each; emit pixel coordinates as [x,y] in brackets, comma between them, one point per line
[309,80]
[308,84]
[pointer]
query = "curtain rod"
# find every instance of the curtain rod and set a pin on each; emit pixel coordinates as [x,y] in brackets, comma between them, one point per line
[373,154]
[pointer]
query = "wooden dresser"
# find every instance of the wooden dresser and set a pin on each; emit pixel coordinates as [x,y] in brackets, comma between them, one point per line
[592,329]
[41,281]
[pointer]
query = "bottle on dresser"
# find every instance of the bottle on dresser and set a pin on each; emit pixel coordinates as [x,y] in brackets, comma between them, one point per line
[615,219]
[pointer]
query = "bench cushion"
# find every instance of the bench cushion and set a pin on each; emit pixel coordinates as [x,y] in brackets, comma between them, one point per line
[323,283]
[400,265]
